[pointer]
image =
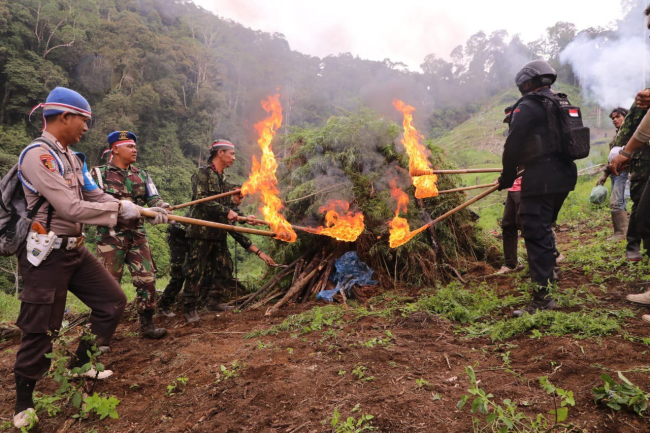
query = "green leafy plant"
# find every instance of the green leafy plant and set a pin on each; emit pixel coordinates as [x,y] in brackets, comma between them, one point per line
[422,383]
[619,395]
[350,424]
[71,391]
[360,372]
[566,399]
[226,373]
[505,417]
[102,406]
[174,388]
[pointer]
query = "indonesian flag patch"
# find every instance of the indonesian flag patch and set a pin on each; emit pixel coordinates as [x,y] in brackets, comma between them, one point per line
[49,162]
[573,112]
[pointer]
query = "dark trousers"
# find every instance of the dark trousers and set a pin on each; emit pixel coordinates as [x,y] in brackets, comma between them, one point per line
[641,217]
[208,271]
[511,224]
[43,303]
[538,213]
[638,224]
[173,287]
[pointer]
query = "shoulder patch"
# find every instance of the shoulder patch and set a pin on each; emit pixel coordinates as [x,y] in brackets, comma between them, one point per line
[49,162]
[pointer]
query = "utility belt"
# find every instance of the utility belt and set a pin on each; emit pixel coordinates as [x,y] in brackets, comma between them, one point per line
[40,246]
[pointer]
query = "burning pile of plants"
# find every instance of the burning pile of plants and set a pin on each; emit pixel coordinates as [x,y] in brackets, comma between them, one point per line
[354,166]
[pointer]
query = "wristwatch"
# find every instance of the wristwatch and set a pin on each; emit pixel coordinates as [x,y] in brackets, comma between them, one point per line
[624,153]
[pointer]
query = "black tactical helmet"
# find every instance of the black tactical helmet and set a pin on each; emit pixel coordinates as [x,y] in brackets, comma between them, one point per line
[536,68]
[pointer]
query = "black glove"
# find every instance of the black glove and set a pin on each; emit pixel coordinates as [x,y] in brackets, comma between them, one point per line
[502,185]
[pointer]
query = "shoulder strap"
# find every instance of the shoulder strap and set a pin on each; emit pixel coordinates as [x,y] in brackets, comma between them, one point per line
[98,173]
[37,206]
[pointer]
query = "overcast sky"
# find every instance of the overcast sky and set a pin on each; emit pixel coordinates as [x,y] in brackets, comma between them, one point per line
[405,30]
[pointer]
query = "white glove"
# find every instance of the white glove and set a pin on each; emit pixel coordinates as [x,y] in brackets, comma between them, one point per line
[160,218]
[129,210]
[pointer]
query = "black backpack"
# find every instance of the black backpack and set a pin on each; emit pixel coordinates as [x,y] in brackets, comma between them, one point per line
[574,136]
[15,218]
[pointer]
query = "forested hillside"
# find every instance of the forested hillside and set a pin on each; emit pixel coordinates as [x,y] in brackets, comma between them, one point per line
[179,76]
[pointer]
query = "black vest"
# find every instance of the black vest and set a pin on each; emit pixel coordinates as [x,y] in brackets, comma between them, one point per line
[537,148]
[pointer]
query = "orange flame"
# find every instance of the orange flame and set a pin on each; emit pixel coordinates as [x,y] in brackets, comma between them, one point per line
[425,186]
[262,178]
[344,226]
[400,233]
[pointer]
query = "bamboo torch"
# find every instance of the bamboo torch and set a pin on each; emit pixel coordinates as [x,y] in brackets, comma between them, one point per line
[296,228]
[467,188]
[227,227]
[203,200]
[458,171]
[456,209]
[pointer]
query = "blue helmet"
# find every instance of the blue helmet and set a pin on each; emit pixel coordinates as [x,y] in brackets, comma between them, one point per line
[61,100]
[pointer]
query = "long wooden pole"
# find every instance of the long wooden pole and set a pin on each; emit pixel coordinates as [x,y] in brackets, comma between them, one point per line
[203,200]
[458,171]
[227,227]
[296,228]
[456,209]
[467,188]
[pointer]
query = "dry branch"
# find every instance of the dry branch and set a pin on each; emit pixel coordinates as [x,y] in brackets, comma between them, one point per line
[304,279]
[286,271]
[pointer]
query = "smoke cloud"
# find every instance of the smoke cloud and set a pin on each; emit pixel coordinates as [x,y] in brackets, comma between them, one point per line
[609,68]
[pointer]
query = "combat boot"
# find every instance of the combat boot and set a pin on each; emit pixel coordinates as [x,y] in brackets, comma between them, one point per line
[191,315]
[640,298]
[541,301]
[620,222]
[633,252]
[164,308]
[24,413]
[147,327]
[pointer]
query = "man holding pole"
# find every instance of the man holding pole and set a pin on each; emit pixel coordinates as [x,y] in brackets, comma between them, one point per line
[208,263]
[127,243]
[56,182]
[536,141]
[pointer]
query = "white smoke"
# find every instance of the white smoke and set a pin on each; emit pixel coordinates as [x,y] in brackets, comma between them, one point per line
[610,68]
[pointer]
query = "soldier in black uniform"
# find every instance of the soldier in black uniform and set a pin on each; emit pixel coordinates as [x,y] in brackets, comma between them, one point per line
[535,141]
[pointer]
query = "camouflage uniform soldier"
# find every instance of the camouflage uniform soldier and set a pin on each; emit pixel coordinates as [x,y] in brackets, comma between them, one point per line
[178,247]
[639,175]
[209,263]
[127,244]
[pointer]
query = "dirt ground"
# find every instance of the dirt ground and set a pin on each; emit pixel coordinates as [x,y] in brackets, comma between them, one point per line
[294,383]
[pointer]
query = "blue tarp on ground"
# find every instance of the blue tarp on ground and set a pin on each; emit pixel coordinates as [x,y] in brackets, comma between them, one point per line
[349,271]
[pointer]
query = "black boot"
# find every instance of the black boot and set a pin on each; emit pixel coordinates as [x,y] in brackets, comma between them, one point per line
[24,392]
[541,301]
[147,328]
[81,355]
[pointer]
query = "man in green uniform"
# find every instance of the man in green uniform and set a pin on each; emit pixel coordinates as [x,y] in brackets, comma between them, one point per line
[178,247]
[639,175]
[127,244]
[209,263]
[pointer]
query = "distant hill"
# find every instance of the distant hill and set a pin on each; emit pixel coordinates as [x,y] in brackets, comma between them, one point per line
[479,141]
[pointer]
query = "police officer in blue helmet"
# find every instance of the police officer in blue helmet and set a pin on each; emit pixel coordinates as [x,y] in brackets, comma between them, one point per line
[53,259]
